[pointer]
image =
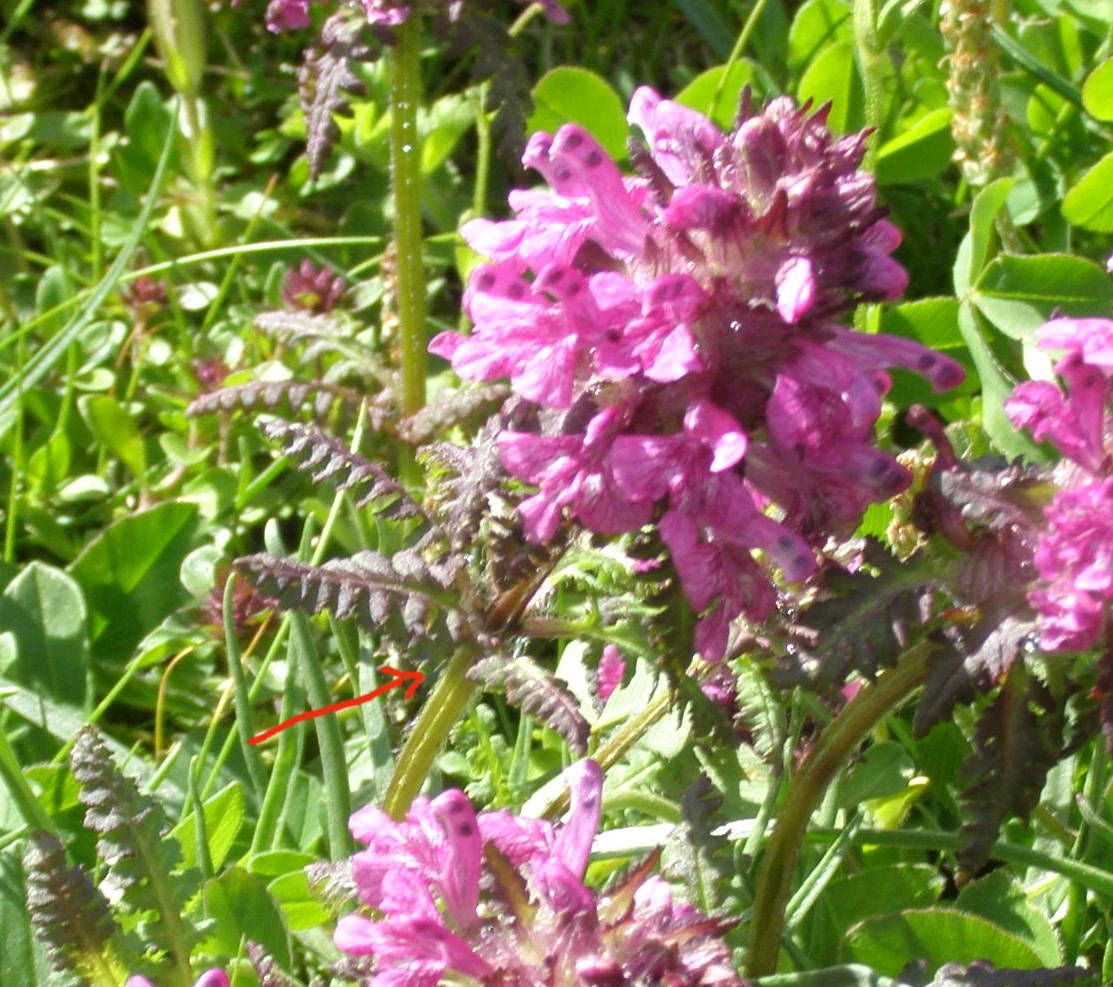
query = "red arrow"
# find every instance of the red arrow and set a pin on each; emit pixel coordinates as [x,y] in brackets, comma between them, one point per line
[397,678]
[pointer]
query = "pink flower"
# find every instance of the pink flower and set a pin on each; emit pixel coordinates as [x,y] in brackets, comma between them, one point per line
[684,318]
[211,978]
[500,899]
[1074,552]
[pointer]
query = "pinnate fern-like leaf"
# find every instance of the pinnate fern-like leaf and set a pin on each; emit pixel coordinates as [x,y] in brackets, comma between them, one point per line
[326,76]
[270,395]
[982,974]
[510,93]
[864,620]
[144,865]
[459,406]
[68,913]
[328,459]
[1018,739]
[368,586]
[536,691]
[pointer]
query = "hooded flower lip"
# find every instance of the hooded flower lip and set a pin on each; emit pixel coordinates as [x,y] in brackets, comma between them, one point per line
[687,313]
[500,899]
[1074,552]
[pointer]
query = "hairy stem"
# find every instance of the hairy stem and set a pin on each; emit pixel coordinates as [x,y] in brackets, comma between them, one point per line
[805,790]
[405,170]
[439,715]
[871,65]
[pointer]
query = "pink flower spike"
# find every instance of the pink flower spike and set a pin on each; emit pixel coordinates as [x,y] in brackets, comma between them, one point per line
[573,843]
[212,978]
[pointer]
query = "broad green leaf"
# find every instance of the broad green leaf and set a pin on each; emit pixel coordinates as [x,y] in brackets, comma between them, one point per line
[973,253]
[302,908]
[879,891]
[1097,91]
[115,426]
[1089,202]
[939,935]
[241,907]
[815,25]
[574,95]
[275,863]
[129,573]
[224,814]
[921,150]
[997,385]
[832,76]
[883,770]
[1000,899]
[722,81]
[1018,294]
[43,608]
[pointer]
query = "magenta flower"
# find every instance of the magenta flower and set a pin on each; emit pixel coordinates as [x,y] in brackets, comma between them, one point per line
[500,899]
[1074,552]
[211,978]
[685,319]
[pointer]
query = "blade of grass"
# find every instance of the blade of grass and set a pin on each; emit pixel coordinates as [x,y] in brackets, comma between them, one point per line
[52,351]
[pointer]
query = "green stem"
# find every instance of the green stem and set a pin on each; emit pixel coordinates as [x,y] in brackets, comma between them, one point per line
[805,791]
[871,65]
[405,169]
[439,715]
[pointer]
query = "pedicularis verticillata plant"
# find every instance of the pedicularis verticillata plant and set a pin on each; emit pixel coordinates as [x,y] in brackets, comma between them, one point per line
[665,528]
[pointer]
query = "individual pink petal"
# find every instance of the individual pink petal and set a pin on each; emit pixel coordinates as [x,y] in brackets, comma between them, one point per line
[718,430]
[796,289]
[573,842]
[462,864]
[612,668]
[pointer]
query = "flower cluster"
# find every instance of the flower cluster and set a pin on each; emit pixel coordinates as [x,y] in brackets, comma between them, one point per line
[1074,552]
[286,15]
[500,899]
[685,320]
[312,289]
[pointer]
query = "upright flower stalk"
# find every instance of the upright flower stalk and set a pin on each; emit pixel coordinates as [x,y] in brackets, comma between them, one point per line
[405,171]
[806,789]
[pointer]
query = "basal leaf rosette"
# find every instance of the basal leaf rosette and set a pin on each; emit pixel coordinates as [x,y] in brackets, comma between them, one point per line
[684,319]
